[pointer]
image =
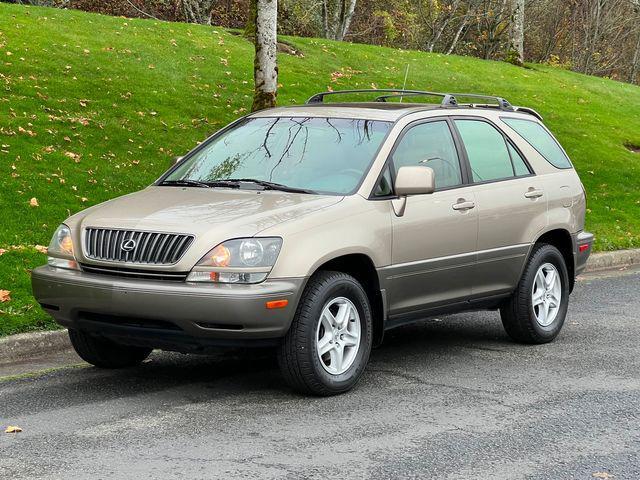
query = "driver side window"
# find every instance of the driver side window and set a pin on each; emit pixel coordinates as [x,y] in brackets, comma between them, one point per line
[430,145]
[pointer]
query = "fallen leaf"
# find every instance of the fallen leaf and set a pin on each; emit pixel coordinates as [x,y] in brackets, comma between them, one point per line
[12,429]
[34,202]
[5,296]
[74,156]
[41,249]
[602,475]
[2,251]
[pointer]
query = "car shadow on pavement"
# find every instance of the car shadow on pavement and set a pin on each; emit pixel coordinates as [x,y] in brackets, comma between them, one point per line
[231,372]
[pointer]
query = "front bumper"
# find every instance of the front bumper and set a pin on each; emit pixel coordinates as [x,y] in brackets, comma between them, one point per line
[166,314]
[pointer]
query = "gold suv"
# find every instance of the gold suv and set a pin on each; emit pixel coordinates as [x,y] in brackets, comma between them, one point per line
[316,228]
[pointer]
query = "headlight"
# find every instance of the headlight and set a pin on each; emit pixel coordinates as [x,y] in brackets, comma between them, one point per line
[61,249]
[244,260]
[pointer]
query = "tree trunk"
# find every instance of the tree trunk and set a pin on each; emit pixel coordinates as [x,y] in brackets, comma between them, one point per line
[517,32]
[349,6]
[196,11]
[336,17]
[635,62]
[456,38]
[265,67]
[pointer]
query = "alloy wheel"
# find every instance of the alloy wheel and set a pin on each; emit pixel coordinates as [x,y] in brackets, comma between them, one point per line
[338,335]
[546,294]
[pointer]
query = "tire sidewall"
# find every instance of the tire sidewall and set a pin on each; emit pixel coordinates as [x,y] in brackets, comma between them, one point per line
[548,254]
[353,291]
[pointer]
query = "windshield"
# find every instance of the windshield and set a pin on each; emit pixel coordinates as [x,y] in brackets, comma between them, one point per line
[323,155]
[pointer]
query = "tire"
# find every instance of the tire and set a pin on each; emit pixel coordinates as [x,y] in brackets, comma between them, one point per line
[526,322]
[104,353]
[298,355]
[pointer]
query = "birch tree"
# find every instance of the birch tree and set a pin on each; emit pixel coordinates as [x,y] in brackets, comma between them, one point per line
[262,27]
[336,17]
[517,32]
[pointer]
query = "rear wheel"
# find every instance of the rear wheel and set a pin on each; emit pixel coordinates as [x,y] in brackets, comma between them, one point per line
[328,345]
[104,353]
[537,309]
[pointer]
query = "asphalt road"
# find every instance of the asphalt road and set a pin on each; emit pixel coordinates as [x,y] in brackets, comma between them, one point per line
[447,398]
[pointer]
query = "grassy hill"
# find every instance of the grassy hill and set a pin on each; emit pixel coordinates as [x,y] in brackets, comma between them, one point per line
[92,107]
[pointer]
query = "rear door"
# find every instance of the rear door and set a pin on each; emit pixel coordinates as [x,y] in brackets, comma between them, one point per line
[434,241]
[511,204]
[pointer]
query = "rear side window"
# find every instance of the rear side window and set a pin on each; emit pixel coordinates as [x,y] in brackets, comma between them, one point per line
[487,151]
[541,140]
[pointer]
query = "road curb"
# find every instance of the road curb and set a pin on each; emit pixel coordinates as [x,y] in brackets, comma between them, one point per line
[16,348]
[615,259]
[24,346]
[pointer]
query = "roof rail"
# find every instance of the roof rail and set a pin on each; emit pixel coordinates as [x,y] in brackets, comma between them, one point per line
[448,99]
[319,97]
[530,111]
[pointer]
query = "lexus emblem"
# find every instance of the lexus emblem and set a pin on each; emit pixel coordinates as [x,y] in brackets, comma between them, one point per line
[128,245]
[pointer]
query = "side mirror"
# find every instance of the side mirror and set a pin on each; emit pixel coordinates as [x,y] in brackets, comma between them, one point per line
[176,160]
[415,181]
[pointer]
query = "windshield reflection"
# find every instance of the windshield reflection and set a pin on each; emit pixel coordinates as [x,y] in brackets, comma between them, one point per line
[327,155]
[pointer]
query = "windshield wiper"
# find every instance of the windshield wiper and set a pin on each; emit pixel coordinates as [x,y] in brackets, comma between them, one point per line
[186,183]
[196,183]
[272,185]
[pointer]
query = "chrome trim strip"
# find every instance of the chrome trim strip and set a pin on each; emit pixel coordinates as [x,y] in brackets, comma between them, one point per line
[456,261]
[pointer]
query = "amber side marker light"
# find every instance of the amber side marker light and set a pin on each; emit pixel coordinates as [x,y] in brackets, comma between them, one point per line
[582,248]
[277,304]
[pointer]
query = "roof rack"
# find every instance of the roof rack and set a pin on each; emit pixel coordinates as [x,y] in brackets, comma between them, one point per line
[448,99]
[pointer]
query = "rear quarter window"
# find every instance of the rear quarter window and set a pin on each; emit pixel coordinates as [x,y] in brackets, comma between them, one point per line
[540,139]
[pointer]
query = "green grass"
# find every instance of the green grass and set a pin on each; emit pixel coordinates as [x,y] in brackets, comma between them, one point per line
[92,107]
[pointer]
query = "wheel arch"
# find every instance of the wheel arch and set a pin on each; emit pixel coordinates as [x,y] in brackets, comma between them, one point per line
[563,241]
[361,267]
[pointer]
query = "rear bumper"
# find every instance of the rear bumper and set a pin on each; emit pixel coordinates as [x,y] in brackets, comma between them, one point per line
[582,245]
[164,314]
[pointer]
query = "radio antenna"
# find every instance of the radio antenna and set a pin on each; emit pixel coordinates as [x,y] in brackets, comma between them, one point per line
[404,85]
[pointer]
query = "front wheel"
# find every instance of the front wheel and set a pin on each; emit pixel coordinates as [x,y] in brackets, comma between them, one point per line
[537,309]
[328,345]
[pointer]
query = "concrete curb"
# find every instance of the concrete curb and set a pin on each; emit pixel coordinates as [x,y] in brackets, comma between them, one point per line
[16,348]
[616,259]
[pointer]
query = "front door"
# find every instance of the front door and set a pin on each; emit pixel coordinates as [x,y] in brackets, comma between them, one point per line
[434,240]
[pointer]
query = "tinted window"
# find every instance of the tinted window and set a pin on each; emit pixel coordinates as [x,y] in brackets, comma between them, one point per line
[519,165]
[328,155]
[541,140]
[487,151]
[384,185]
[430,145]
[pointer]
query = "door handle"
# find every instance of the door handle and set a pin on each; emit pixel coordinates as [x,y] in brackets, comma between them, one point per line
[532,193]
[462,205]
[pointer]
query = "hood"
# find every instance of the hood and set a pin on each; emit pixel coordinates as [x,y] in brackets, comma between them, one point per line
[212,215]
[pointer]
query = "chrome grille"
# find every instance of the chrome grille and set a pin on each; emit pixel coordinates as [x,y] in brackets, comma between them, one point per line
[151,248]
[135,273]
